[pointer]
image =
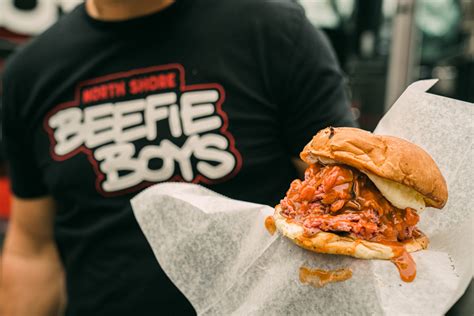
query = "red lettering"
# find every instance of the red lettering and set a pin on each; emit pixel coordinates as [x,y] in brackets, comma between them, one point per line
[103,91]
[111,90]
[86,96]
[132,86]
[162,81]
[171,80]
[152,83]
[119,89]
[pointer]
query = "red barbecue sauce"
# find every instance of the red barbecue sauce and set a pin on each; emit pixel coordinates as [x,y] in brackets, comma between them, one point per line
[342,200]
[403,261]
[406,266]
[270,225]
[319,277]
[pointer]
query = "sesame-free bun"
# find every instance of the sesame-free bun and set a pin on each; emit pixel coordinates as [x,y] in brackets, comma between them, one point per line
[403,172]
[324,242]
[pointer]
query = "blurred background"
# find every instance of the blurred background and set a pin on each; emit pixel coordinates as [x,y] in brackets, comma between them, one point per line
[382,45]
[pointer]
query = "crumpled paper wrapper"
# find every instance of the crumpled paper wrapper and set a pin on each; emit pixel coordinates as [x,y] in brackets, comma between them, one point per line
[218,253]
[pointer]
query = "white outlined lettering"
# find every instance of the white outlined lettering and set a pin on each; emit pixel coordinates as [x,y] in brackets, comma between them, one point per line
[145,126]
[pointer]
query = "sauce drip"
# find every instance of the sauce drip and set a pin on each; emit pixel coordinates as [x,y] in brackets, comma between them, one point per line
[319,277]
[270,224]
[403,261]
[405,264]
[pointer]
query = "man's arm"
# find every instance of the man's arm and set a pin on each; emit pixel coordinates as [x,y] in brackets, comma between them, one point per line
[304,78]
[33,282]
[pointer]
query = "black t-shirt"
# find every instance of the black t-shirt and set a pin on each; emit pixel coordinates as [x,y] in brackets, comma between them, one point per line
[220,93]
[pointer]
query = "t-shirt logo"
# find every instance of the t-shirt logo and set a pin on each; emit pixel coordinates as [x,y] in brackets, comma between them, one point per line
[145,126]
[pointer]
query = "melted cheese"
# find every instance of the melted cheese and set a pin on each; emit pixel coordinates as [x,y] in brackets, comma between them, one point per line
[398,194]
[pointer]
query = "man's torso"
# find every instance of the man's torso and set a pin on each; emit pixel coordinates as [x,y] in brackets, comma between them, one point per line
[116,108]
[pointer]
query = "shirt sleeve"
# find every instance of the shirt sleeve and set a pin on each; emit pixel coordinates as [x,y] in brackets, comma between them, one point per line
[25,175]
[314,92]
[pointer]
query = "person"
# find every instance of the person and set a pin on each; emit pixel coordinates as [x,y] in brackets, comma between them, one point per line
[121,94]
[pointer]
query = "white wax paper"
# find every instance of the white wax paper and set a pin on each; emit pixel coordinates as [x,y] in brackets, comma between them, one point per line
[219,254]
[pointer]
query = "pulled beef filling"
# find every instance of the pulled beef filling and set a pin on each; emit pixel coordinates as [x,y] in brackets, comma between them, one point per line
[342,200]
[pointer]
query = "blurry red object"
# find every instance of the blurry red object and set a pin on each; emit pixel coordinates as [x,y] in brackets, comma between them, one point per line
[5,197]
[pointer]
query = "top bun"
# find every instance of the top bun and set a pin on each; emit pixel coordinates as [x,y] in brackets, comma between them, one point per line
[387,157]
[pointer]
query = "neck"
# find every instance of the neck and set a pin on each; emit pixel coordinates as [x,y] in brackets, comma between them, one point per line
[117,10]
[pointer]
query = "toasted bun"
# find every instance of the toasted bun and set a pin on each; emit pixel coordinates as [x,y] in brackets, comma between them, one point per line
[386,157]
[331,243]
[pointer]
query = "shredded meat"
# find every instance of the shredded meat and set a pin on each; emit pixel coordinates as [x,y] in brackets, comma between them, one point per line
[340,199]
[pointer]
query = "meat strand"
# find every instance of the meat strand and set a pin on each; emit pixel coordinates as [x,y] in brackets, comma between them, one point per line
[340,199]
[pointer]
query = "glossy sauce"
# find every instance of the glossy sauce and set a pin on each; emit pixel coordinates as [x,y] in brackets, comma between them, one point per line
[270,224]
[338,198]
[342,200]
[406,266]
[403,261]
[319,277]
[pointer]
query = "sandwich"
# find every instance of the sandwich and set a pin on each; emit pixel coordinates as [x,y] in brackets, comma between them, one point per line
[361,196]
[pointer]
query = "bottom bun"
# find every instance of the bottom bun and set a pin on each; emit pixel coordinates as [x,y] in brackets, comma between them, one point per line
[324,242]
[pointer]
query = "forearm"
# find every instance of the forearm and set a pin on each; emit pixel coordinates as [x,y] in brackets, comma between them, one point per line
[32,283]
